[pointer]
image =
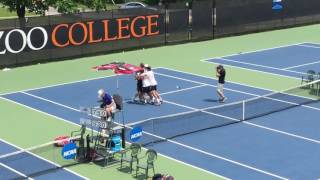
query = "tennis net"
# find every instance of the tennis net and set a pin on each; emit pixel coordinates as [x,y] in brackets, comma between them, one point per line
[36,161]
[172,126]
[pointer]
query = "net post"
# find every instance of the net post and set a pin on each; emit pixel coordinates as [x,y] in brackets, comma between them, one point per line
[243,111]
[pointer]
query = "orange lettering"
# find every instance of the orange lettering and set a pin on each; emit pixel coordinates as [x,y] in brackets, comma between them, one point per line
[152,24]
[54,36]
[122,27]
[133,25]
[91,40]
[85,34]
[106,31]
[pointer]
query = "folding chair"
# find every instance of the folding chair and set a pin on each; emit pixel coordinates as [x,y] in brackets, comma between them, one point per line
[151,157]
[131,157]
[309,77]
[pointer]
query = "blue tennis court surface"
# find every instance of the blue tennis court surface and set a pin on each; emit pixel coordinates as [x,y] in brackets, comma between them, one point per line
[28,165]
[282,145]
[293,60]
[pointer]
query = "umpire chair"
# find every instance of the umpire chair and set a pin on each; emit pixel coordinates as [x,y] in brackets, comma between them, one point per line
[116,124]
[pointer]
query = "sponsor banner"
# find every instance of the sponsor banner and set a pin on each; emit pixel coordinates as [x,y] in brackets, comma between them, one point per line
[15,41]
[69,151]
[135,134]
[94,123]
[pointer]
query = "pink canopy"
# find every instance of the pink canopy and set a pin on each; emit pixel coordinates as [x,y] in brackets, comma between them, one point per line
[119,68]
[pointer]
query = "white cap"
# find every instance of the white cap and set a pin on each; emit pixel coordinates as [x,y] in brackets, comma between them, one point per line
[146,65]
[100,93]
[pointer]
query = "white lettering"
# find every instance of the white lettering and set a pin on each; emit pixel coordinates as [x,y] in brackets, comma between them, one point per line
[1,34]
[24,41]
[71,152]
[45,38]
[136,135]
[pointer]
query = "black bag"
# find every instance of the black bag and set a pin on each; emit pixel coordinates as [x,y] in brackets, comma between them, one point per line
[118,100]
[157,177]
[162,177]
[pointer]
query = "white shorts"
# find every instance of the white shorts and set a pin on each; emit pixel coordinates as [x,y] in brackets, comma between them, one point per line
[220,87]
[113,106]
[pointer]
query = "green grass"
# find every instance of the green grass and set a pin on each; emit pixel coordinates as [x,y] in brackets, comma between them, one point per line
[26,128]
[38,128]
[5,13]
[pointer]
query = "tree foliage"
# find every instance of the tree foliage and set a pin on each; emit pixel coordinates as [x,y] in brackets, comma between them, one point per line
[40,6]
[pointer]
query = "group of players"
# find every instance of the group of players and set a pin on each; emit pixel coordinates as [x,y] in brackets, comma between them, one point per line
[146,90]
[147,86]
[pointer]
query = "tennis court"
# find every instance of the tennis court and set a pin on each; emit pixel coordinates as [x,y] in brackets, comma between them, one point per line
[290,60]
[281,145]
[25,165]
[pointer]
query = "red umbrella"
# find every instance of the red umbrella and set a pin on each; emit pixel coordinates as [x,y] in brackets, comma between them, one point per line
[119,68]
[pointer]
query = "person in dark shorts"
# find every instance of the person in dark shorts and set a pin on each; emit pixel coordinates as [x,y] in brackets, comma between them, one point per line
[146,85]
[153,87]
[139,93]
[221,74]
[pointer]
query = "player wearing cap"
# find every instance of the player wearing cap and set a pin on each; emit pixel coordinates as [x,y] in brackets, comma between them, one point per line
[221,74]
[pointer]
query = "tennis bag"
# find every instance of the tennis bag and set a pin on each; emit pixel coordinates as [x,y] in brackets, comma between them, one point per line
[118,100]
[61,141]
[162,177]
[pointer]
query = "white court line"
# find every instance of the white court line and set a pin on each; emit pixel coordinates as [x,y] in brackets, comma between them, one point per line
[258,65]
[53,102]
[42,99]
[68,107]
[197,82]
[53,163]
[206,60]
[234,162]
[104,77]
[217,156]
[242,92]
[207,77]
[248,69]
[252,124]
[309,46]
[248,123]
[15,171]
[202,60]
[72,123]
[55,85]
[66,83]
[306,64]
[260,88]
[261,50]
[183,89]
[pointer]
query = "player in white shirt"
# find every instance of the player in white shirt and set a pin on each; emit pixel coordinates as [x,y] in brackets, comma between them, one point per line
[146,86]
[153,87]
